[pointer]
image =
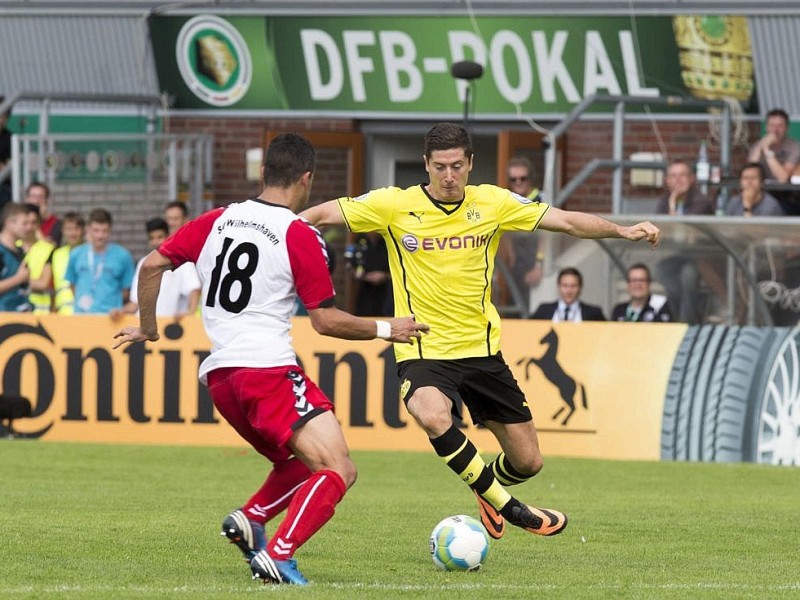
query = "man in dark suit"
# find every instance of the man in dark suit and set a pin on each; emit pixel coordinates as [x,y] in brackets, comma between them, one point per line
[643,307]
[569,307]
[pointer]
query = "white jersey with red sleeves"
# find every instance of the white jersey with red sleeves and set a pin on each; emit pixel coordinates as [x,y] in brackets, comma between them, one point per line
[253,259]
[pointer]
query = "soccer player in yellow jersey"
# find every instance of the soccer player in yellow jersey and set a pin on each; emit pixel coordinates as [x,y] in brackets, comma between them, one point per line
[442,238]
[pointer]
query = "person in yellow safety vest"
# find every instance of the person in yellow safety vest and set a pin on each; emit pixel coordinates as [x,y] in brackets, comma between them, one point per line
[72,228]
[38,254]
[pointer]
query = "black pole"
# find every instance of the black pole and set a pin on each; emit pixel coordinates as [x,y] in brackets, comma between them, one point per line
[467,71]
[466,103]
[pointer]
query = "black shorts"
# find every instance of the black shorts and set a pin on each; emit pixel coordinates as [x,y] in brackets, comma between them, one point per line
[484,384]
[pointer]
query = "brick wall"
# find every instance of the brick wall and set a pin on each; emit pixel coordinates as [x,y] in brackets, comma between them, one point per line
[234,136]
[130,205]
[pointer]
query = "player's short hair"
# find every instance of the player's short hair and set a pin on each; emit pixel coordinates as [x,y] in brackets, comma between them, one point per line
[101,216]
[74,218]
[778,112]
[447,136]
[156,224]
[179,205]
[571,271]
[287,158]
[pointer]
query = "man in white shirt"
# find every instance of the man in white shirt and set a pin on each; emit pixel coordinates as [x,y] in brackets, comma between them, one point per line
[180,289]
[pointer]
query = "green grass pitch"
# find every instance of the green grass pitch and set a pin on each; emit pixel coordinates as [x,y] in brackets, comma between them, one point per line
[106,521]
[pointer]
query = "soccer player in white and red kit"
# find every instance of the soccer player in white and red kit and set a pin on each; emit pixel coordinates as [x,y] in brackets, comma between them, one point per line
[254,258]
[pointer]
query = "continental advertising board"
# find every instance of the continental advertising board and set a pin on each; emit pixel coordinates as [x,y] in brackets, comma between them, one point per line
[378,66]
[610,390]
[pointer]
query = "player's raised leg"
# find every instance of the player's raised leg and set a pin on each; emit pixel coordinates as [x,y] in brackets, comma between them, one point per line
[432,410]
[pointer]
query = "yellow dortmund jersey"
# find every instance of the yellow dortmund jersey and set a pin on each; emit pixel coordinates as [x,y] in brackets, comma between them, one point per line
[441,257]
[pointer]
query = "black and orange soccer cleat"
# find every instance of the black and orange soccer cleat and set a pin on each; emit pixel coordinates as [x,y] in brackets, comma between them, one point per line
[246,534]
[492,520]
[541,521]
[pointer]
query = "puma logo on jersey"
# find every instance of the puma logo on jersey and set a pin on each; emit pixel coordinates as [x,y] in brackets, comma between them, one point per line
[418,217]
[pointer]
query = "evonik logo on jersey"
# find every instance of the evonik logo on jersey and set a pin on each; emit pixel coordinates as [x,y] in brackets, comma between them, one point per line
[458,242]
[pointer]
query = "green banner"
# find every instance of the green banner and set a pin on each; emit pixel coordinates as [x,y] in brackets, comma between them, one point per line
[401,65]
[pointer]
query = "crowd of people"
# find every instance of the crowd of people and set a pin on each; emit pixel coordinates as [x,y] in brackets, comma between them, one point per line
[70,265]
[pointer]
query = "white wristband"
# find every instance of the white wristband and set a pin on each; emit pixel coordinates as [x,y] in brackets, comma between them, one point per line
[384,329]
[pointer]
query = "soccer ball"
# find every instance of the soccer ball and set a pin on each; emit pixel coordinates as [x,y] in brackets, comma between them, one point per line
[459,543]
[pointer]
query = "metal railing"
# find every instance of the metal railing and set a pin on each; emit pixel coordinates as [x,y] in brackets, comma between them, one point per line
[617,160]
[47,98]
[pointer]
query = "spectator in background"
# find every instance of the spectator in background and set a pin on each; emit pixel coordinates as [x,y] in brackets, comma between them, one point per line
[180,288]
[752,200]
[643,306]
[72,229]
[521,253]
[368,261]
[777,154]
[175,214]
[569,306]
[680,274]
[38,256]
[13,270]
[100,271]
[39,195]
[5,155]
[682,196]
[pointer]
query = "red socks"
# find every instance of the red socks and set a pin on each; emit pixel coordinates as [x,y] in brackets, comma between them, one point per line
[311,507]
[276,493]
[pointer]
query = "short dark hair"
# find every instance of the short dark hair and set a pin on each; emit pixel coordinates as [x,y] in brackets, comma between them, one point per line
[32,209]
[287,158]
[571,271]
[447,136]
[762,174]
[178,204]
[100,215]
[778,112]
[156,224]
[636,267]
[38,184]
[73,217]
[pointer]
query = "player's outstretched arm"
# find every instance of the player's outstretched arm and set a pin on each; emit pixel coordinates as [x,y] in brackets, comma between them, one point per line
[327,213]
[340,324]
[150,274]
[585,225]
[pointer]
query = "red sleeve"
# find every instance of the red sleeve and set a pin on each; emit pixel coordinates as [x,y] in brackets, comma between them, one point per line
[308,258]
[185,244]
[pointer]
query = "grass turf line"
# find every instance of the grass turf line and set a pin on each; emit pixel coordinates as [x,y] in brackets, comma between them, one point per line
[119,521]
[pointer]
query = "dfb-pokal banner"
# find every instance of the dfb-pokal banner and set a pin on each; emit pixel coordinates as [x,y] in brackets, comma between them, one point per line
[374,67]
